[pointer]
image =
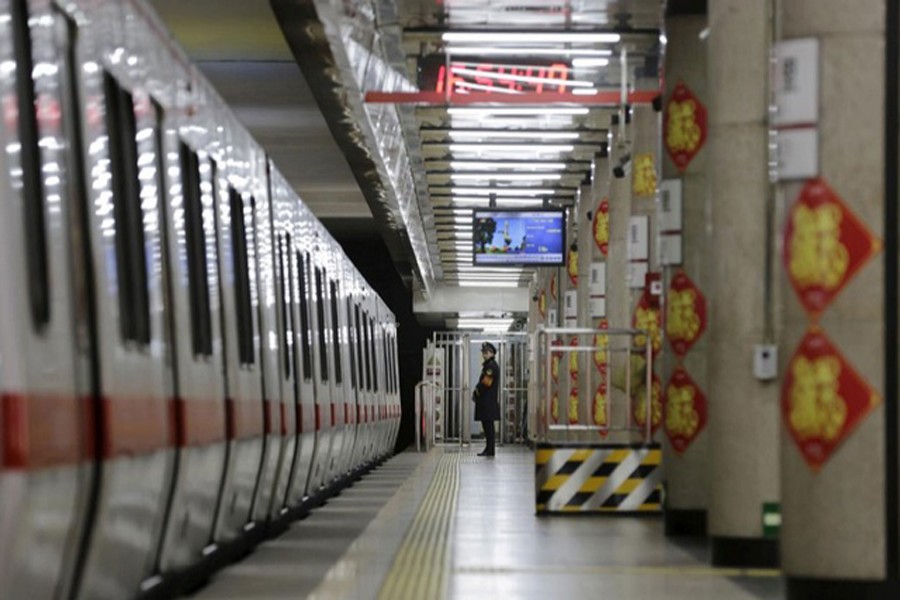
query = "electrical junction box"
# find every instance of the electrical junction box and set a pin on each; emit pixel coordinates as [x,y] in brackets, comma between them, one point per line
[765,361]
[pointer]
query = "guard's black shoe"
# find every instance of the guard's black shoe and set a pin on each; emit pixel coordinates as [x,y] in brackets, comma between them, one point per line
[485,453]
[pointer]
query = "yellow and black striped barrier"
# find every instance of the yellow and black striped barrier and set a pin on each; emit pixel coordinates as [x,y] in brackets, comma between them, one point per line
[601,478]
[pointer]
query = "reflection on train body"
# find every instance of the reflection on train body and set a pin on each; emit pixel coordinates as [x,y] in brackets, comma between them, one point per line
[185,352]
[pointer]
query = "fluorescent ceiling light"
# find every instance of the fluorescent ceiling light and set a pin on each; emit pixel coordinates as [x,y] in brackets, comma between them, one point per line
[472,165]
[586,92]
[589,62]
[508,37]
[506,176]
[501,202]
[494,51]
[511,147]
[486,191]
[530,112]
[464,283]
[485,88]
[547,135]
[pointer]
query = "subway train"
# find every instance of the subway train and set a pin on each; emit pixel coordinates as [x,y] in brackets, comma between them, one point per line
[186,354]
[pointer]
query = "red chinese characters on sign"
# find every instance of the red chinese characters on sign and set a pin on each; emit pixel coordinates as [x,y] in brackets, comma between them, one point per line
[572,265]
[825,245]
[639,407]
[685,313]
[601,226]
[647,317]
[823,398]
[685,410]
[684,126]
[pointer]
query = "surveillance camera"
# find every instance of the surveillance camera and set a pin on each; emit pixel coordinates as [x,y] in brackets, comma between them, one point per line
[657,103]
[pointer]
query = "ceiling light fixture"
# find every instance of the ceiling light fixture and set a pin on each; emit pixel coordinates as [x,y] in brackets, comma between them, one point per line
[495,51]
[589,62]
[511,147]
[487,191]
[472,165]
[509,37]
[529,112]
[505,176]
[547,135]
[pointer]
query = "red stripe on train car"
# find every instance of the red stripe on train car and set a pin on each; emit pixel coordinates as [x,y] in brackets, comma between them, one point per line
[244,419]
[197,422]
[333,419]
[134,426]
[40,430]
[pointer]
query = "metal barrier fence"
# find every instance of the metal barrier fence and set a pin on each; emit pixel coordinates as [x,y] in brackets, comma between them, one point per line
[453,410]
[549,344]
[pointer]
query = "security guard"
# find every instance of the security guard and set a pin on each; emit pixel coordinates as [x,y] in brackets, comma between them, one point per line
[485,396]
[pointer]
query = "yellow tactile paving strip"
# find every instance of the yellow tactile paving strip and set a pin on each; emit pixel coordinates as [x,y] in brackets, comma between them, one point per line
[421,567]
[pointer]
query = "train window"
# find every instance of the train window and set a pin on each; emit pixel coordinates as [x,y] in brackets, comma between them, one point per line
[336,333]
[374,356]
[367,348]
[198,283]
[131,259]
[387,364]
[241,266]
[304,316]
[35,227]
[392,350]
[359,348]
[284,285]
[320,313]
[350,334]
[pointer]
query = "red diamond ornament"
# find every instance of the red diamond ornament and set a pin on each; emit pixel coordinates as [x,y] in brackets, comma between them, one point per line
[825,245]
[823,398]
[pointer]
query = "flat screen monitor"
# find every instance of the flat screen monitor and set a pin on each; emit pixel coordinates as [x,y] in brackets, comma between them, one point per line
[519,237]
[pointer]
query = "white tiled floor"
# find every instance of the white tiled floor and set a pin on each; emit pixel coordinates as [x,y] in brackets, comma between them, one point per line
[499,549]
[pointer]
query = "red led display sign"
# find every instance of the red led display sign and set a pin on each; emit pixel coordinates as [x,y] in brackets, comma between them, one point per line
[464,77]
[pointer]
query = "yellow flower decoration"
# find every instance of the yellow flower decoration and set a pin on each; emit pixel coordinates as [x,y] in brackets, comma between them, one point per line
[682,320]
[682,131]
[681,416]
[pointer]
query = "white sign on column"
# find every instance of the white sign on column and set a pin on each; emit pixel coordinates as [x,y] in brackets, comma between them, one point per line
[796,87]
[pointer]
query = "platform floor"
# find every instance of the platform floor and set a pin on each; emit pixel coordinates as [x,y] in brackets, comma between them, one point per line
[452,525]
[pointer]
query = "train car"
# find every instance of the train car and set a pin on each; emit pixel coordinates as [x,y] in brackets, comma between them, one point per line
[186,354]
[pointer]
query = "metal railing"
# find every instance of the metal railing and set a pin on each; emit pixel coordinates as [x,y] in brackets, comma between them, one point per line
[546,344]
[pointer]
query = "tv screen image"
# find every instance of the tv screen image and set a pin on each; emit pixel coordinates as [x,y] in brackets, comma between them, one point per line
[519,237]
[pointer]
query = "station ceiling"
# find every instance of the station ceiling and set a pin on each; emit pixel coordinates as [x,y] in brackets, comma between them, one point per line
[251,56]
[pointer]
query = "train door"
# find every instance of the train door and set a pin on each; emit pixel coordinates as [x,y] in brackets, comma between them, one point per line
[341,380]
[371,408]
[243,405]
[353,406]
[378,381]
[45,387]
[286,295]
[271,356]
[394,378]
[304,340]
[364,434]
[120,130]
[323,388]
[196,350]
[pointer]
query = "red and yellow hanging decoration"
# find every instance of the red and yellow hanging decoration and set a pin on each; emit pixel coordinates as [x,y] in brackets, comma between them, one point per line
[542,304]
[601,343]
[643,180]
[600,412]
[685,411]
[639,406]
[685,313]
[601,226]
[554,407]
[573,383]
[572,264]
[647,317]
[825,245]
[684,126]
[553,295]
[823,398]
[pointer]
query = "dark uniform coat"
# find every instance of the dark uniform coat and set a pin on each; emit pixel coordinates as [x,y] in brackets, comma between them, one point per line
[485,395]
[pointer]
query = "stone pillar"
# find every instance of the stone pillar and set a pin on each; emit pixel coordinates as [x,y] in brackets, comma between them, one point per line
[743,411]
[836,540]
[686,456]
[618,304]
